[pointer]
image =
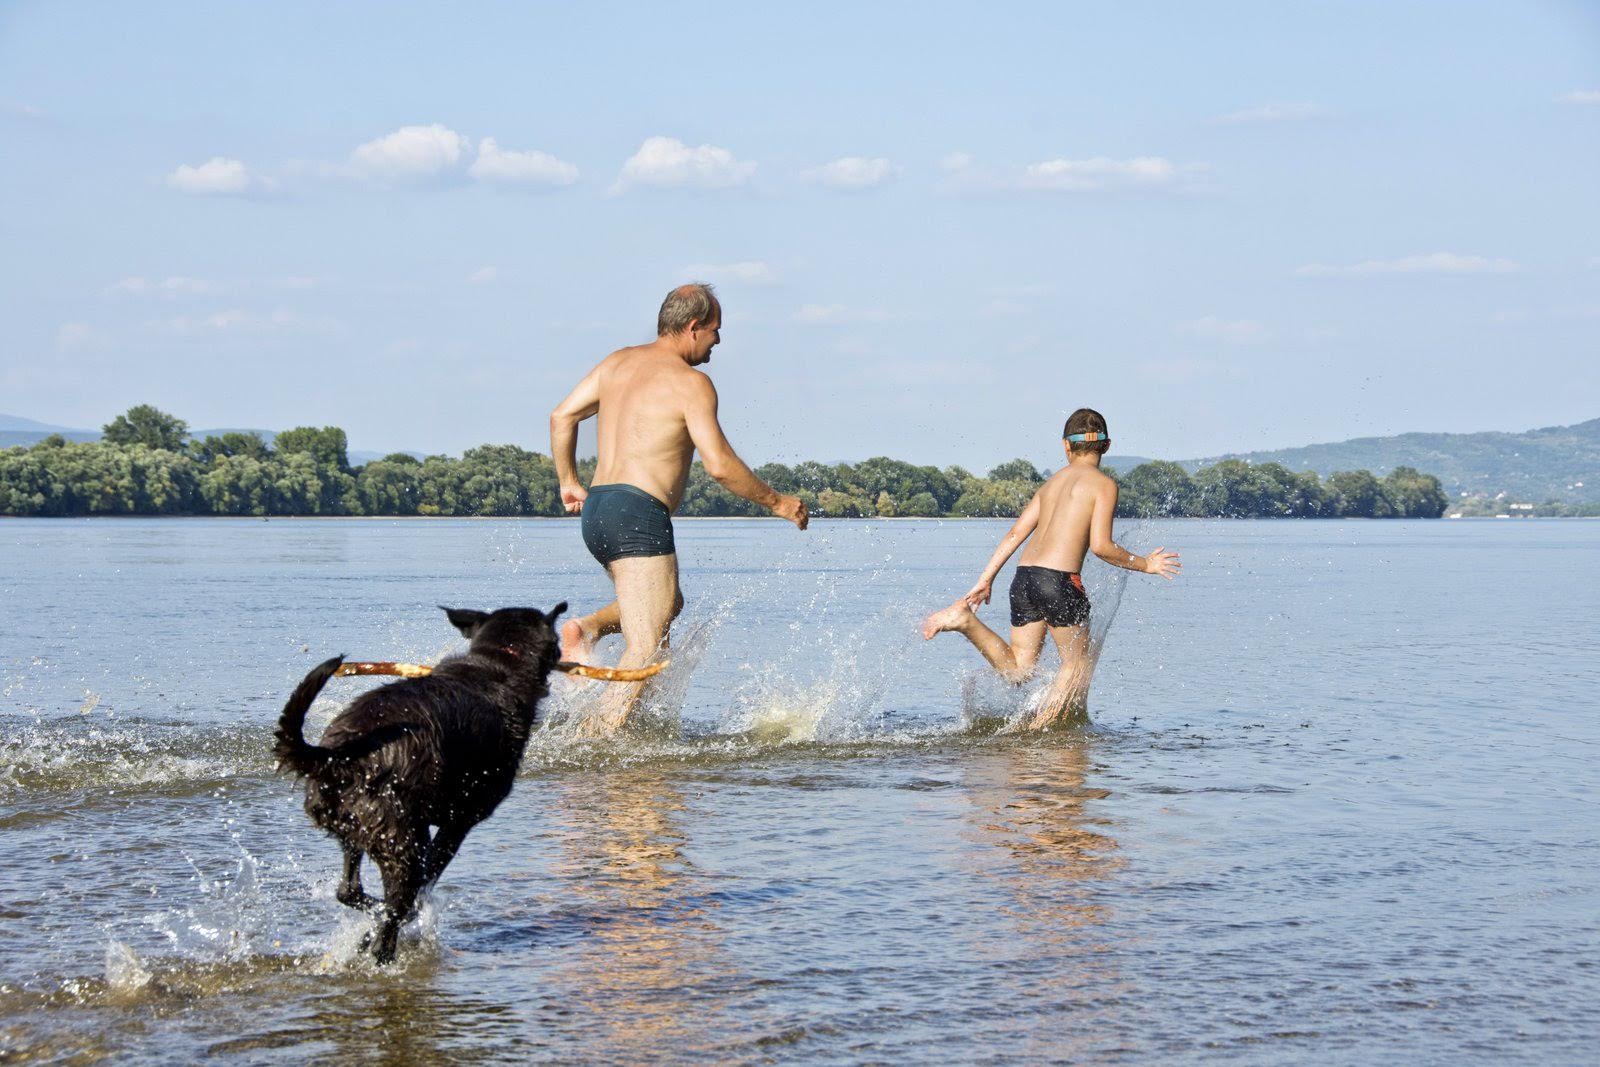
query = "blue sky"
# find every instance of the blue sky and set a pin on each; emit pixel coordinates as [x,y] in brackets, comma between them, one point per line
[937,228]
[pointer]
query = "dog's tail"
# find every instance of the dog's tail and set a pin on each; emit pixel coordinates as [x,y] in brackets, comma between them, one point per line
[291,749]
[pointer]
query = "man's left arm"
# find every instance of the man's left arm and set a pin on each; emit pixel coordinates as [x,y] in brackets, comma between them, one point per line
[583,401]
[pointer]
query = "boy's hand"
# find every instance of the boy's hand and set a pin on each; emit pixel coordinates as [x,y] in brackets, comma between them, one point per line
[572,498]
[1163,563]
[979,594]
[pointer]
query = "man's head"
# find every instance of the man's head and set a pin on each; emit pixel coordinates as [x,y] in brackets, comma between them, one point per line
[692,316]
[1088,426]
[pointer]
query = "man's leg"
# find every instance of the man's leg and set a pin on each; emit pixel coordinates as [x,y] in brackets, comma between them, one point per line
[647,590]
[1014,662]
[1069,690]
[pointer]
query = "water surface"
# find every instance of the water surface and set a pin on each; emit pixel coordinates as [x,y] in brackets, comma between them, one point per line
[1338,802]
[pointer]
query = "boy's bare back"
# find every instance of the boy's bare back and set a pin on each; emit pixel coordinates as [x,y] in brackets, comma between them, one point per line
[1072,505]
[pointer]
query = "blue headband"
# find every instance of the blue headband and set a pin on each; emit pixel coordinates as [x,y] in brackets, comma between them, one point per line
[1090,436]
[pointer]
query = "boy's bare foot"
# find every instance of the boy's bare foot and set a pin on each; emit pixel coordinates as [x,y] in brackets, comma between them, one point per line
[576,642]
[951,618]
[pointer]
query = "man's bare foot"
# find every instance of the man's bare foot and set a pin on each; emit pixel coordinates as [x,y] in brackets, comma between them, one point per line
[951,618]
[577,644]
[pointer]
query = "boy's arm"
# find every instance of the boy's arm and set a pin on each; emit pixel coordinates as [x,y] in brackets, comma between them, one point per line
[1025,524]
[724,465]
[583,401]
[1159,561]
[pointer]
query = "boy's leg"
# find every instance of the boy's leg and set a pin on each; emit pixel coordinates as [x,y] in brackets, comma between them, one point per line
[1069,690]
[579,635]
[647,590]
[1014,662]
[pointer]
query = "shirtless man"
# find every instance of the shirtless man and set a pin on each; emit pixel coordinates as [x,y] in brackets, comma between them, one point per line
[1070,515]
[655,409]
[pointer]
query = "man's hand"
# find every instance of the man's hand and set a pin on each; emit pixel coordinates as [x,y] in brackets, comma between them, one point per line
[793,509]
[572,498]
[1163,563]
[979,594]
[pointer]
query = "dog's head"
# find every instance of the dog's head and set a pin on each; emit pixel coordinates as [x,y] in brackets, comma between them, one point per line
[523,633]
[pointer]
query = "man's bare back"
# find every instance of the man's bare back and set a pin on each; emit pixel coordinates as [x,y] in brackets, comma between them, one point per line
[645,395]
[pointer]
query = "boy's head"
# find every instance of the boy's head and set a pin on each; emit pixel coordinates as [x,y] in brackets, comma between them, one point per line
[1085,432]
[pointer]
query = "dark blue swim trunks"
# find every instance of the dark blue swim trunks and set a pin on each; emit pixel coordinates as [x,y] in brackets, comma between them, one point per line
[621,520]
[1057,597]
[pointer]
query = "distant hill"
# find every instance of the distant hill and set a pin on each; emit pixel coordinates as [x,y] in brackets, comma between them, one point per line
[1553,463]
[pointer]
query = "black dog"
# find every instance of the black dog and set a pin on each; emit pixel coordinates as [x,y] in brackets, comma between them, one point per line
[439,751]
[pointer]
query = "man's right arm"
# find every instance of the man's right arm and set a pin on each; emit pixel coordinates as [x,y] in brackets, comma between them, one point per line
[723,464]
[582,402]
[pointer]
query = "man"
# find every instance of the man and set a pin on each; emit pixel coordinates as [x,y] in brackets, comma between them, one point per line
[654,410]
[1069,517]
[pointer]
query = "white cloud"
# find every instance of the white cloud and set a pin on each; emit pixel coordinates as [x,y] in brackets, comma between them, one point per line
[17,109]
[667,163]
[1099,173]
[482,276]
[1432,263]
[1581,96]
[746,272]
[851,172]
[838,314]
[239,321]
[1093,175]
[1236,330]
[173,286]
[215,177]
[77,335]
[411,154]
[495,164]
[1299,111]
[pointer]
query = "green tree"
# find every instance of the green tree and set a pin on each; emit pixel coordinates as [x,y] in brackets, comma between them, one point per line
[1016,470]
[1415,495]
[145,425]
[1359,495]
[1153,490]
[327,445]
[390,486]
[239,485]
[205,450]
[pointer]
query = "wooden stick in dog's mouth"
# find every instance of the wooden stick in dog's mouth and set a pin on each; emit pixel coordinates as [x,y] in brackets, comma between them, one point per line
[582,670]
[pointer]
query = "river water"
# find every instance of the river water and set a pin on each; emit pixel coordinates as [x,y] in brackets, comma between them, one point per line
[1338,802]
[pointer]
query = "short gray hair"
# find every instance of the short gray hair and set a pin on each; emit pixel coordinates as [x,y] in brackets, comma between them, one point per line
[695,302]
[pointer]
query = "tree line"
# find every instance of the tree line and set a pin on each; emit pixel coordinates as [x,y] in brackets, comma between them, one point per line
[146,464]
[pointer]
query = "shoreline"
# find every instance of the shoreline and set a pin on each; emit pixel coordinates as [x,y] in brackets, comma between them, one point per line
[770,518]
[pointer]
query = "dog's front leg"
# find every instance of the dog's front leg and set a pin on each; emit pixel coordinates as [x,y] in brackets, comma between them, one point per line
[350,894]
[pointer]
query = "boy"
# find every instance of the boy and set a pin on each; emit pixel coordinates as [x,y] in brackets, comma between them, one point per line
[1070,516]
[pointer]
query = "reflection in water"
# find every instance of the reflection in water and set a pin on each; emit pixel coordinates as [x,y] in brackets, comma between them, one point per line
[1050,859]
[650,945]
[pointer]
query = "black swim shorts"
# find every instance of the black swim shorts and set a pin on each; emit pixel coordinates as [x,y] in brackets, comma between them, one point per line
[620,520]
[1057,597]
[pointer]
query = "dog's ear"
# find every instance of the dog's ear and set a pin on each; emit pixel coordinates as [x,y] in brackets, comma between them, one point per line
[556,611]
[465,620]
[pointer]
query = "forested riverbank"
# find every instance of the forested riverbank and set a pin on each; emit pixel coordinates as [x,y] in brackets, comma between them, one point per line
[146,464]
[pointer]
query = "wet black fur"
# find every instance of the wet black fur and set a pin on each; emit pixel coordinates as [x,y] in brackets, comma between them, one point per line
[440,751]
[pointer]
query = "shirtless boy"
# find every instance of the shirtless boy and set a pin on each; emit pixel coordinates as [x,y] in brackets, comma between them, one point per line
[1069,516]
[654,410]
